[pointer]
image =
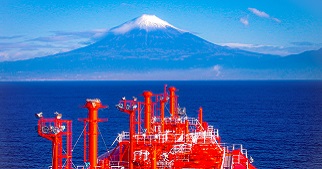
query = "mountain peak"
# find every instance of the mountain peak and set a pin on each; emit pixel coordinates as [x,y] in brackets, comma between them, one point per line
[151,21]
[146,22]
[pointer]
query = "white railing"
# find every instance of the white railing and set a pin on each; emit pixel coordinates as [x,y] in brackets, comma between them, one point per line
[181,148]
[165,164]
[180,139]
[118,164]
[124,136]
[84,167]
[164,137]
[140,154]
[240,147]
[194,122]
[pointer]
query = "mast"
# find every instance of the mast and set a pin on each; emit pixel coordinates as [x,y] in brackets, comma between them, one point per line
[173,101]
[93,105]
[148,110]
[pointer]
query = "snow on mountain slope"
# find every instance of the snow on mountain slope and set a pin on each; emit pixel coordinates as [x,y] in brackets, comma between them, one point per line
[146,22]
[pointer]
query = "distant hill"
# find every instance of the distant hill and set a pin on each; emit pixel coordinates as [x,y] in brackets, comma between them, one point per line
[148,48]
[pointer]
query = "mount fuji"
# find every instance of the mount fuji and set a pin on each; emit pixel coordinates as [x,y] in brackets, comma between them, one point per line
[148,48]
[148,37]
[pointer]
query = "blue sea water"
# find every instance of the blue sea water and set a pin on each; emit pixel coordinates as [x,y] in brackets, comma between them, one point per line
[279,122]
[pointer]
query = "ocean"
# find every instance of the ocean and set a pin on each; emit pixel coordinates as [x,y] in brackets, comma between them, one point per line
[279,122]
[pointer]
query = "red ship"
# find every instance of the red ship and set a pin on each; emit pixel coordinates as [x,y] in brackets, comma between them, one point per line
[173,141]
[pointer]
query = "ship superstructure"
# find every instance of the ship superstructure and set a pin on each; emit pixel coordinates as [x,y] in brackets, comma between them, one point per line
[160,135]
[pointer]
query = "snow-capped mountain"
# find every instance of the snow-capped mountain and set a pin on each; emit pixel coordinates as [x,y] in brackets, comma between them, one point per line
[148,47]
[146,22]
[150,37]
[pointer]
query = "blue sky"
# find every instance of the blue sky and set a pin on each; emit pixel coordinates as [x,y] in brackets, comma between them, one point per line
[39,28]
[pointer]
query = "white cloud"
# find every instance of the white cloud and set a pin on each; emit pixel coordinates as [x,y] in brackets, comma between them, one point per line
[22,55]
[263,14]
[3,56]
[241,45]
[14,48]
[51,39]
[67,36]
[258,12]
[217,69]
[277,20]
[11,37]
[95,33]
[31,49]
[273,49]
[244,21]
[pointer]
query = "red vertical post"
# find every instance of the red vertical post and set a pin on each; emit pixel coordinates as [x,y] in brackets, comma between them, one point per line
[186,132]
[93,105]
[69,145]
[162,102]
[173,101]
[162,107]
[85,141]
[55,146]
[147,110]
[186,122]
[154,158]
[200,116]
[129,107]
